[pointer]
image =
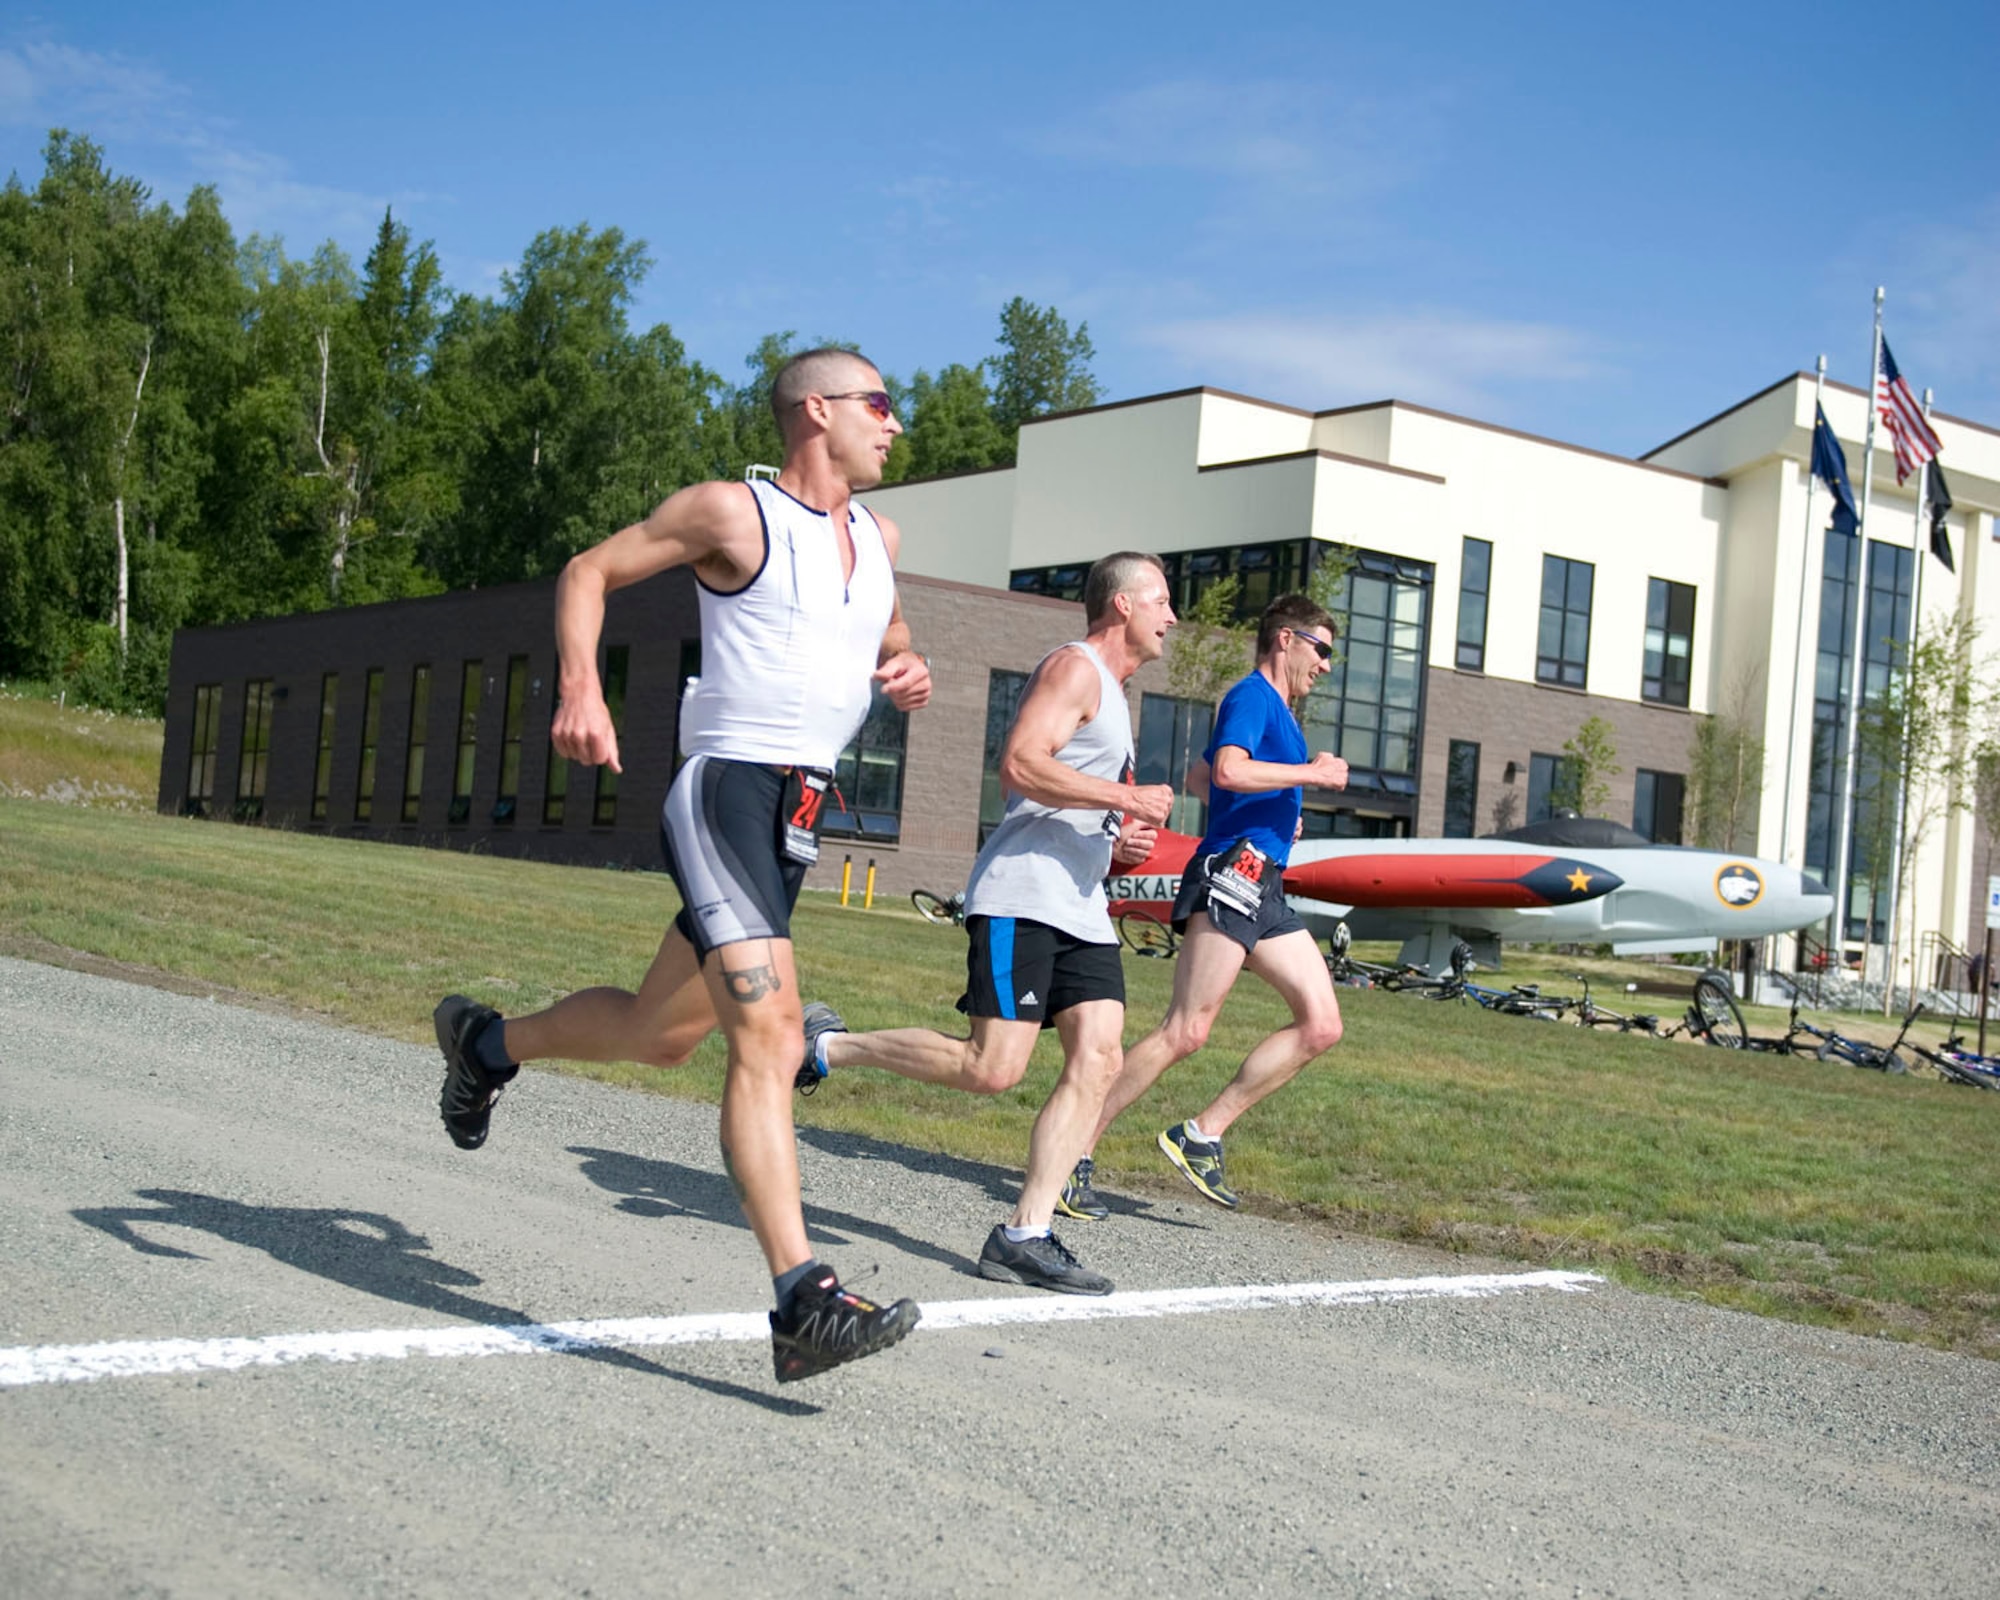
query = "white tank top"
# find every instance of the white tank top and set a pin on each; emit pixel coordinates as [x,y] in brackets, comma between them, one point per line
[1048,865]
[786,660]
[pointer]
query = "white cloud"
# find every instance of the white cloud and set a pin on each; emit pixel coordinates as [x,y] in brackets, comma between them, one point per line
[1437,358]
[153,128]
[1309,140]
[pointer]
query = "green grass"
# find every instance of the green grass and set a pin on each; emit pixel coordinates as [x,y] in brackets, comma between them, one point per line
[76,755]
[1786,1187]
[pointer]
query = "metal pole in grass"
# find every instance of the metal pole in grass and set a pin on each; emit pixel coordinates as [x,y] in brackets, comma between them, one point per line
[846,878]
[868,892]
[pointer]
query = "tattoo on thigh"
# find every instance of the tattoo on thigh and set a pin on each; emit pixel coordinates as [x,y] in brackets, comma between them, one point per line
[750,983]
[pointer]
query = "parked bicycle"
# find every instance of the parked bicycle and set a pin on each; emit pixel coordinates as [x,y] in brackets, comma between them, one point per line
[1589,1014]
[1956,1064]
[1523,1000]
[1148,935]
[1713,1015]
[946,910]
[1859,1052]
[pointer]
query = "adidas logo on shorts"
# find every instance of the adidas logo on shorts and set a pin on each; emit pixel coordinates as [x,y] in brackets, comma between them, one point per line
[1028,999]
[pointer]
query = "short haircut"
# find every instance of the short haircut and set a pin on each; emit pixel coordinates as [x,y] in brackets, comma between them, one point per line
[1112,576]
[828,368]
[1294,611]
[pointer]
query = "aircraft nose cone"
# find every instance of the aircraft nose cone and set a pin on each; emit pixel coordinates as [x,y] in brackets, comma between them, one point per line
[1808,884]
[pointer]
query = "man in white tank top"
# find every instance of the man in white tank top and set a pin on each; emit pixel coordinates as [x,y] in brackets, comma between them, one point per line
[1042,950]
[798,592]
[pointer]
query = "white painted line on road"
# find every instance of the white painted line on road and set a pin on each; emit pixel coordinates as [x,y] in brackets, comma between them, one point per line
[82,1363]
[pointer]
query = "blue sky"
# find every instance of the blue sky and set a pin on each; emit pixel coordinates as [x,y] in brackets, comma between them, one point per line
[1602,223]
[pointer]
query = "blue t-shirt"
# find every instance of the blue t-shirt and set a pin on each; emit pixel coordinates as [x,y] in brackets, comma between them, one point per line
[1253,716]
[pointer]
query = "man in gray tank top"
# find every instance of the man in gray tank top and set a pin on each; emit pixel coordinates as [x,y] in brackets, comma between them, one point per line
[1042,949]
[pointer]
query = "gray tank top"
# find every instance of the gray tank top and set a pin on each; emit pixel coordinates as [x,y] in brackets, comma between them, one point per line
[1048,865]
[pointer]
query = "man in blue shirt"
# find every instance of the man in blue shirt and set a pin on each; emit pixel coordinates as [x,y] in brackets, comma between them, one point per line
[1232,910]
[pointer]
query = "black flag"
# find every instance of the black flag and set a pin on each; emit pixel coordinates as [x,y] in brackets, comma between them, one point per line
[1940,498]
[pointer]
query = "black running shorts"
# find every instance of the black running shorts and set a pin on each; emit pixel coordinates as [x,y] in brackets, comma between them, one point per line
[721,829]
[1022,971]
[1274,913]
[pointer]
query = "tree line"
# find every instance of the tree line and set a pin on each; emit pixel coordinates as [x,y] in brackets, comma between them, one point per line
[201,429]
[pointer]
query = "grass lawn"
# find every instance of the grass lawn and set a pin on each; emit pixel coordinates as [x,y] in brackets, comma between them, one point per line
[1813,1192]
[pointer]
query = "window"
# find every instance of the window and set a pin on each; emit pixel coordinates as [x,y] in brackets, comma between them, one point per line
[1461,789]
[1262,573]
[690,674]
[1369,708]
[869,776]
[1475,577]
[1172,735]
[1003,699]
[617,668]
[1656,805]
[254,755]
[1562,650]
[413,756]
[371,729]
[1887,597]
[1552,783]
[329,695]
[514,709]
[201,749]
[1669,641]
[468,743]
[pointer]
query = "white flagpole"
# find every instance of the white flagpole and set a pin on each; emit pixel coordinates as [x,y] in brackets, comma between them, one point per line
[1799,637]
[1919,547]
[1843,886]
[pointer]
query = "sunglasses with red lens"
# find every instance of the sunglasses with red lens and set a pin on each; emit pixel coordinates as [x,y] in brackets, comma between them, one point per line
[877,400]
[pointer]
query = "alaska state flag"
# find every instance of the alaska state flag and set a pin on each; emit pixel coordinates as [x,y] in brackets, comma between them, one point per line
[1830,467]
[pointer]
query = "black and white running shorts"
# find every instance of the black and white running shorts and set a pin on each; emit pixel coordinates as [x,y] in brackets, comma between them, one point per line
[722,829]
[1274,913]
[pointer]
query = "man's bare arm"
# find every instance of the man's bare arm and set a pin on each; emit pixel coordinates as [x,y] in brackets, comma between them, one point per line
[711,527]
[1237,772]
[904,675]
[1062,698]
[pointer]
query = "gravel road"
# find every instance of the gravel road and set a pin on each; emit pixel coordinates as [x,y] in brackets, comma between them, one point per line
[172,1168]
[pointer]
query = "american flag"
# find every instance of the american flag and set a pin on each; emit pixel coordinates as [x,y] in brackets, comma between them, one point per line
[1904,418]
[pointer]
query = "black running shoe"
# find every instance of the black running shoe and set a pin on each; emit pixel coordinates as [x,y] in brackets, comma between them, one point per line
[827,1326]
[1044,1263]
[821,1019]
[1078,1199]
[466,1101]
[1200,1163]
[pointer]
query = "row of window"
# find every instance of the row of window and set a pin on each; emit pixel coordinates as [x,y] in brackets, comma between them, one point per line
[1657,797]
[254,747]
[1562,639]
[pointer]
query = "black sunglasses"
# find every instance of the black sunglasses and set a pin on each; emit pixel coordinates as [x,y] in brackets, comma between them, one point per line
[877,400]
[1323,646]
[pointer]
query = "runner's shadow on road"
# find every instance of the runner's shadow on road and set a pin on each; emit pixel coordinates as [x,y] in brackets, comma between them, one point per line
[1003,1184]
[653,1188]
[368,1251]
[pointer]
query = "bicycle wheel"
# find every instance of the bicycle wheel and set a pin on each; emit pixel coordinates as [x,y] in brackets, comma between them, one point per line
[1715,1013]
[934,907]
[1146,935]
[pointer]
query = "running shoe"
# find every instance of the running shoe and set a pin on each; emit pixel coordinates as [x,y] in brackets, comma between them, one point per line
[466,1101]
[1200,1163]
[821,1019]
[1044,1263]
[827,1326]
[1078,1199]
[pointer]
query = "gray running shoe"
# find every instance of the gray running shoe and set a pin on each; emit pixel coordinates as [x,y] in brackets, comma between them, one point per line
[1044,1263]
[1199,1163]
[466,1100]
[1078,1199]
[821,1019]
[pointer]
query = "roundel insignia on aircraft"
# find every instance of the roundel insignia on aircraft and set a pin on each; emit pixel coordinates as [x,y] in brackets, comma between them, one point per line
[1739,885]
